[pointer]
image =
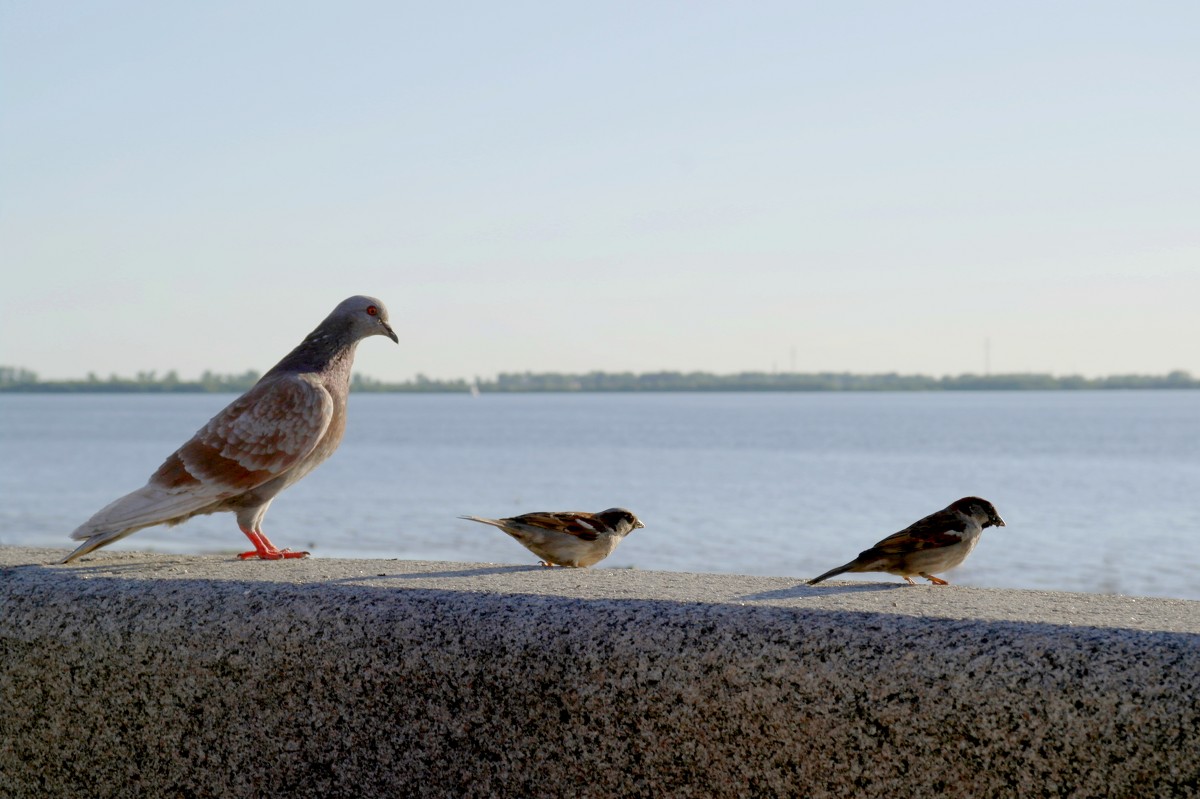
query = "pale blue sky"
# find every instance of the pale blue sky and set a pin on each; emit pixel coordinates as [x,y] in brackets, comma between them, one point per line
[621,186]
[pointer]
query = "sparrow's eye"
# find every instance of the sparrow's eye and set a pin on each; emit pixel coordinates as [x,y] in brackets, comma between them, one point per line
[372,310]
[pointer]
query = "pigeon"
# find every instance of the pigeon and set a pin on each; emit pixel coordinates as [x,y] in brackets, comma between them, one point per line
[568,538]
[936,543]
[291,420]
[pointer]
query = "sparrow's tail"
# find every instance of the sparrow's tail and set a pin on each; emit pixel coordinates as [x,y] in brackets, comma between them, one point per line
[482,520]
[833,572]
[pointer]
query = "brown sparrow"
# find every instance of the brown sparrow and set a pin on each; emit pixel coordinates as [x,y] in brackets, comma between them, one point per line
[568,538]
[936,543]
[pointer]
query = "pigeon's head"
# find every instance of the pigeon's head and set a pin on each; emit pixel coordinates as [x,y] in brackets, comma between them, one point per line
[366,316]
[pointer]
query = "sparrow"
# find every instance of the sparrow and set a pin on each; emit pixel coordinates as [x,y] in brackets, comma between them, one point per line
[936,543]
[568,538]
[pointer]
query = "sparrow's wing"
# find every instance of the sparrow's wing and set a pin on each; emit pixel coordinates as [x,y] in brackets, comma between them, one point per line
[941,529]
[584,526]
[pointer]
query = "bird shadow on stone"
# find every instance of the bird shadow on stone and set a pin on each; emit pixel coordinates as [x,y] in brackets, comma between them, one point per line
[805,590]
[442,575]
[118,566]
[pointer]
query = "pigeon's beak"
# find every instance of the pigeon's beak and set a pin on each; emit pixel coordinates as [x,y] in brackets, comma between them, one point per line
[387,331]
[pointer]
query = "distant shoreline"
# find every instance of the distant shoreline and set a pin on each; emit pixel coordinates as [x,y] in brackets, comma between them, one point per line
[22,381]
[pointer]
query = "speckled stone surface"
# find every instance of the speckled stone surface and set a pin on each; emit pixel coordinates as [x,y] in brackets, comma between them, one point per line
[154,675]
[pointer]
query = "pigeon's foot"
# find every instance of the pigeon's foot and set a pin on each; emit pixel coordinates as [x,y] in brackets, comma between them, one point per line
[272,554]
[908,579]
[935,580]
[264,549]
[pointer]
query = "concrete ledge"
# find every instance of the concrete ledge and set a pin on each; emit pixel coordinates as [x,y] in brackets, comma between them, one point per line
[150,675]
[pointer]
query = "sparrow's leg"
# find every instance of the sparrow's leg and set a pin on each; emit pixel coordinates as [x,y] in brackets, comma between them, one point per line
[934,580]
[263,548]
[908,579]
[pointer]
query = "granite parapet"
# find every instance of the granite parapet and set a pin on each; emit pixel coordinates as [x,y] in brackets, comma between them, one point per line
[136,674]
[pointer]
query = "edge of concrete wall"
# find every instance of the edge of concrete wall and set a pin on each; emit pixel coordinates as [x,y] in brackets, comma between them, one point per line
[135,674]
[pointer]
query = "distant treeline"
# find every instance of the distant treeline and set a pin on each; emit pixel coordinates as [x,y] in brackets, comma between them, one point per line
[14,380]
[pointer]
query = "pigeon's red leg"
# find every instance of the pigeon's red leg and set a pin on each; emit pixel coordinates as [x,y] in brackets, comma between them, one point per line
[263,548]
[280,553]
[935,580]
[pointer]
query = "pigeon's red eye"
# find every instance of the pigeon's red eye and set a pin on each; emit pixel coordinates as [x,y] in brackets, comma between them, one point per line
[372,310]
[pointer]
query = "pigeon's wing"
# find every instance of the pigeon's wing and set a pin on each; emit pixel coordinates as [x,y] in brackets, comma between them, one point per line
[584,526]
[941,529]
[256,438]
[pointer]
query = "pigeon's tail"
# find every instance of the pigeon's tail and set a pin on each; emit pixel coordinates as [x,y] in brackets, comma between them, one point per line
[834,572]
[146,507]
[95,542]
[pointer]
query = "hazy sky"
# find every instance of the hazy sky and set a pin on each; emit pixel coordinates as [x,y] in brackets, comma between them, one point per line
[862,186]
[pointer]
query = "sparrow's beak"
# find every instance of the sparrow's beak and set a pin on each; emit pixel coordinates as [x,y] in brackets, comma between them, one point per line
[998,522]
[389,332]
[637,523]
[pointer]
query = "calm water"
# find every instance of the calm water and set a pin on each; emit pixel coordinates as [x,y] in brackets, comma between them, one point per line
[1100,489]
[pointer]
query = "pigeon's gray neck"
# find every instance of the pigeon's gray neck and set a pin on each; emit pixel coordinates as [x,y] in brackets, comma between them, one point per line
[321,349]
